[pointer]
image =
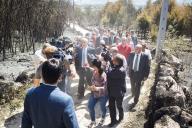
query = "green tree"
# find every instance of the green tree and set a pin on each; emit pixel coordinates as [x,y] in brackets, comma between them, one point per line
[144,24]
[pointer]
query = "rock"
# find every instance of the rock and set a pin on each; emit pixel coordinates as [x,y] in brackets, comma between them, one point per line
[23,78]
[153,52]
[176,113]
[188,93]
[168,93]
[186,119]
[23,60]
[166,122]
[166,70]
[2,77]
[26,76]
[172,111]
[8,90]
[175,60]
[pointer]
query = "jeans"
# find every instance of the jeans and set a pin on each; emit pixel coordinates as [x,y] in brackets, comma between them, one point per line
[91,105]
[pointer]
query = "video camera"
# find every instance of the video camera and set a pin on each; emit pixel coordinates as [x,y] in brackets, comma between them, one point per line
[65,49]
[105,53]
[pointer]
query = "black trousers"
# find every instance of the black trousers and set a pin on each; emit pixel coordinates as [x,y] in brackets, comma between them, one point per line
[113,103]
[85,76]
[135,88]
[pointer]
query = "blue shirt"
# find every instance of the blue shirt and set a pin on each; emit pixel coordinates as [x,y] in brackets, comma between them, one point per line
[48,107]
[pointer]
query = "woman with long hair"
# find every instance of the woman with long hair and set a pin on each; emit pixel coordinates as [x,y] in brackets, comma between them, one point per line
[98,92]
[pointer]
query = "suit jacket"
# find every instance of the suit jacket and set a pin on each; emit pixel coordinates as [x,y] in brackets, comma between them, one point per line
[48,107]
[116,83]
[144,67]
[78,56]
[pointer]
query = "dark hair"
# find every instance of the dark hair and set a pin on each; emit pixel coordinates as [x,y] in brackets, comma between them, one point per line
[119,59]
[51,71]
[97,63]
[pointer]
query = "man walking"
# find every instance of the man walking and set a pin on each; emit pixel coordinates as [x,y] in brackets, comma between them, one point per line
[46,106]
[139,68]
[82,61]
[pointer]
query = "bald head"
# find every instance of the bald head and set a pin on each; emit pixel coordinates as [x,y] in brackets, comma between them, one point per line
[138,48]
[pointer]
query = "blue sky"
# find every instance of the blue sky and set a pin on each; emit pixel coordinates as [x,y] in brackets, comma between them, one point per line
[137,3]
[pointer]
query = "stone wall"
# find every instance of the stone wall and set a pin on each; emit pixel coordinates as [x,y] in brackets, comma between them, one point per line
[169,100]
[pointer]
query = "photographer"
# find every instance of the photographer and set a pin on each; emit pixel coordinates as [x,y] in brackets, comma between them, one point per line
[65,79]
[114,52]
[48,52]
[116,86]
[65,55]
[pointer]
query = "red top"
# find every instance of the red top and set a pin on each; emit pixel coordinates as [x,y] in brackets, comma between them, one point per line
[124,50]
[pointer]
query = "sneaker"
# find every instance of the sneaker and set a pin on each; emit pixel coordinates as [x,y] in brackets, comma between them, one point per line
[101,122]
[93,123]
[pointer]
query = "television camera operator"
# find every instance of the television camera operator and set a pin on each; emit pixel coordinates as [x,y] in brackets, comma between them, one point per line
[59,49]
[65,55]
[107,54]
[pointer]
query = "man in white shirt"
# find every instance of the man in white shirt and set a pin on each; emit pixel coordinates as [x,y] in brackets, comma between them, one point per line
[82,62]
[145,50]
[139,68]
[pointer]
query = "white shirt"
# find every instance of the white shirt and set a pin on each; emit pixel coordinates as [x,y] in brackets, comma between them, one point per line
[49,84]
[139,55]
[124,62]
[38,58]
[148,53]
[84,56]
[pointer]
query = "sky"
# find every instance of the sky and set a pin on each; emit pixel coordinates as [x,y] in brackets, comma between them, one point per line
[137,3]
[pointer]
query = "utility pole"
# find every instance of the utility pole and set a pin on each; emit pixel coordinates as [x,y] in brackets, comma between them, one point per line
[162,29]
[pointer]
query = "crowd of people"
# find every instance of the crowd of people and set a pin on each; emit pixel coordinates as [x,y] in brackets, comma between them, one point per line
[103,59]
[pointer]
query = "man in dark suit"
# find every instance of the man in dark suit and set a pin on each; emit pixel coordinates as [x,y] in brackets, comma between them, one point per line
[46,106]
[111,38]
[100,38]
[139,68]
[83,57]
